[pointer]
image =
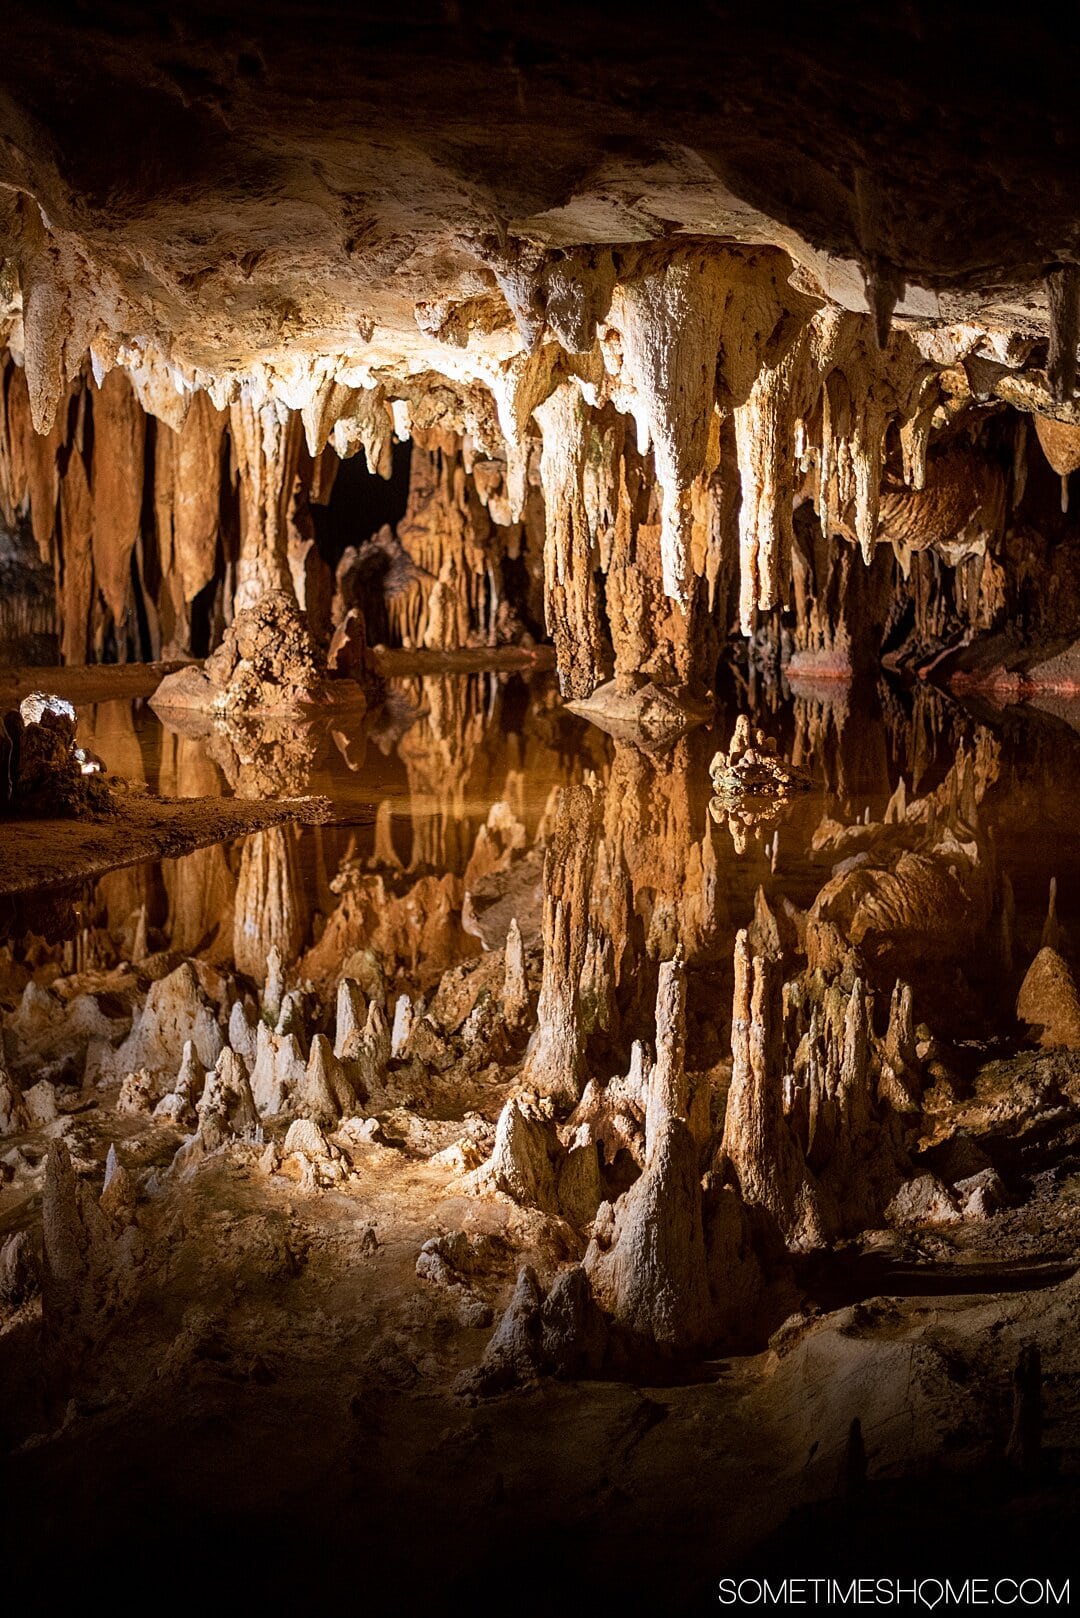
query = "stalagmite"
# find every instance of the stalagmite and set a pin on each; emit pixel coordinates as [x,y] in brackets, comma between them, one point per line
[404,1021]
[669,1091]
[515,980]
[242,1036]
[19,1271]
[351,1016]
[179,1104]
[177,1011]
[325,1093]
[227,1107]
[1048,1001]
[278,1071]
[13,1115]
[523,1162]
[650,1274]
[84,1274]
[273,983]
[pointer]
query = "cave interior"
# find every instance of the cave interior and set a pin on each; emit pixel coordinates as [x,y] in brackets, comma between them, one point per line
[540,633]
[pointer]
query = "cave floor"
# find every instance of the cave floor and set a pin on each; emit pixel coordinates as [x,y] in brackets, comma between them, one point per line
[275,1388]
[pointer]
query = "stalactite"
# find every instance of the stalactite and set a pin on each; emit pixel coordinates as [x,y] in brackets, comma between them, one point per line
[669,328]
[1063,302]
[187,500]
[1060,443]
[77,532]
[117,484]
[570,559]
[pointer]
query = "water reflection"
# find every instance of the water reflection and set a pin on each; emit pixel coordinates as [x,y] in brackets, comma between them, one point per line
[445,808]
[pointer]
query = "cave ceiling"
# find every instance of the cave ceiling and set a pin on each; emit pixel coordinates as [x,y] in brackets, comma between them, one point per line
[241,186]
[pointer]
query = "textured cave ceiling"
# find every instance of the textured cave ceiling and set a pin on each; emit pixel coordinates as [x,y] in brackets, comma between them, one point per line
[232,179]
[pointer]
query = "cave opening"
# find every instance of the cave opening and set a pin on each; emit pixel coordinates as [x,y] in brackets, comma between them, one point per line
[360,503]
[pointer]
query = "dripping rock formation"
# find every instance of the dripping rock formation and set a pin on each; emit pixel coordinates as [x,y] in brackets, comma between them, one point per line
[540,638]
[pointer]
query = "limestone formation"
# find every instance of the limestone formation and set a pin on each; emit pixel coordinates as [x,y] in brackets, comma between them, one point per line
[13,1114]
[325,1093]
[19,1270]
[809,1136]
[177,1011]
[715,382]
[751,767]
[277,1073]
[1048,1001]
[226,1108]
[179,1104]
[648,1269]
[45,772]
[560,1334]
[555,1063]
[266,663]
[86,1274]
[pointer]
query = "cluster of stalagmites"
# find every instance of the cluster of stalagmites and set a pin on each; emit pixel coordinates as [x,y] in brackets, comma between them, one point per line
[43,772]
[752,767]
[680,1197]
[266,663]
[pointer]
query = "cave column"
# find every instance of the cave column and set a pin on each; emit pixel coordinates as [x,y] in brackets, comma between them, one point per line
[266,447]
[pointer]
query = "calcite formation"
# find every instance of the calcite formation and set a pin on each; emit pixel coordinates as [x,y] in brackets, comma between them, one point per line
[486,421]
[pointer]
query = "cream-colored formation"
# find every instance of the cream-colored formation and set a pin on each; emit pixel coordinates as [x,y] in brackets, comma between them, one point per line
[747,390]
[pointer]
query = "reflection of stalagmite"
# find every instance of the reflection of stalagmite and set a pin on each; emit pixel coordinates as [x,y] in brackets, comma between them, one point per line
[325,1094]
[270,909]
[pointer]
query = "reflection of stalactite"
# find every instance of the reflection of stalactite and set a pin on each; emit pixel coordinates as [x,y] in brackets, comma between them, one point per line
[439,753]
[271,910]
[201,888]
[555,1064]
